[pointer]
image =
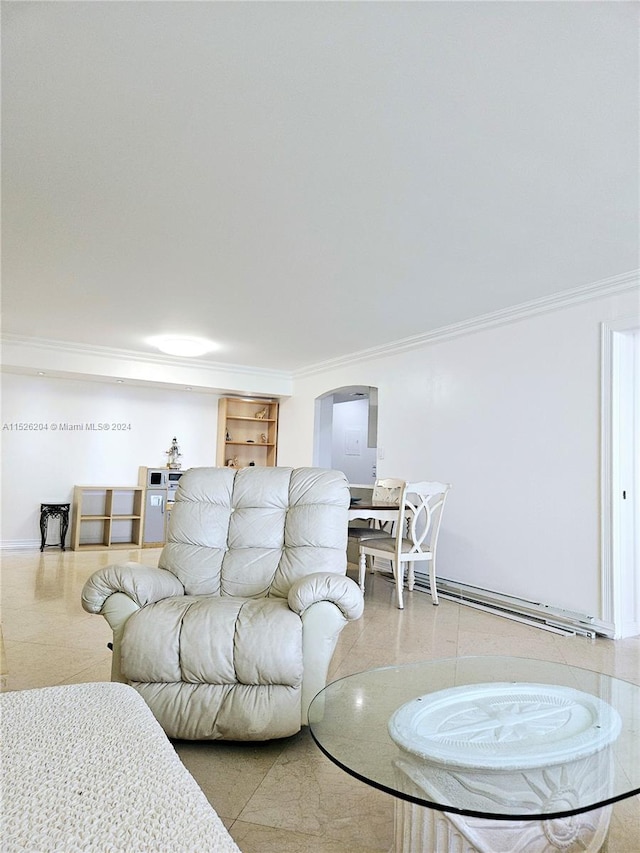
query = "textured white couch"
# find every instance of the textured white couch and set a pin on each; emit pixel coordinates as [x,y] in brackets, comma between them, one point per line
[232,635]
[86,767]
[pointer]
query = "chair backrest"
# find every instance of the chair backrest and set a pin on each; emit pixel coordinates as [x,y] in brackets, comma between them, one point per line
[252,532]
[421,514]
[388,490]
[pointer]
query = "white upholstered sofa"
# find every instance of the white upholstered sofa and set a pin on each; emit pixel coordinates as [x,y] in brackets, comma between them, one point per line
[231,636]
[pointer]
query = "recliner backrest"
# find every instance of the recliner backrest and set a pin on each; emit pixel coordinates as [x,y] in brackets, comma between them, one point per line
[252,532]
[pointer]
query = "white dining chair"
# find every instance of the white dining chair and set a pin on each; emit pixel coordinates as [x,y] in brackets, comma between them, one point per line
[415,536]
[387,490]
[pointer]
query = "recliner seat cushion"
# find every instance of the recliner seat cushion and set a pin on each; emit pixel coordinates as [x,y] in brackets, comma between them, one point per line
[214,641]
[219,655]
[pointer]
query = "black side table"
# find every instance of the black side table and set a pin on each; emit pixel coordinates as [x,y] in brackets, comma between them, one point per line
[48,511]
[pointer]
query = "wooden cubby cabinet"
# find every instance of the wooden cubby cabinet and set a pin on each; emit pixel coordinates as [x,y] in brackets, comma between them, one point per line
[107,517]
[247,431]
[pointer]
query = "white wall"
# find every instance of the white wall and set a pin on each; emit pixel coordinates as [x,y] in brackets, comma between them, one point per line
[40,466]
[511,417]
[323,438]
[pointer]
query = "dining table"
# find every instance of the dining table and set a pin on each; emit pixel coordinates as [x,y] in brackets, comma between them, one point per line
[372,510]
[365,509]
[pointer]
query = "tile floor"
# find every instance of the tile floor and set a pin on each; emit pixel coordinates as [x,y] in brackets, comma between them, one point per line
[284,796]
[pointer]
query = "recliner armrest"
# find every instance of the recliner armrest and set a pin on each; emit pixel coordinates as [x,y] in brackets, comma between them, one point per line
[325,586]
[143,584]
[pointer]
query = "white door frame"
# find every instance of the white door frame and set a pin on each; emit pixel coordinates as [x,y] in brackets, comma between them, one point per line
[620,451]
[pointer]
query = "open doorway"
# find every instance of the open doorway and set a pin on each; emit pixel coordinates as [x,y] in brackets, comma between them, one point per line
[346,432]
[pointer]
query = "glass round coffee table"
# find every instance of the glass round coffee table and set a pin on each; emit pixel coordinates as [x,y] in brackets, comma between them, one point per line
[487,754]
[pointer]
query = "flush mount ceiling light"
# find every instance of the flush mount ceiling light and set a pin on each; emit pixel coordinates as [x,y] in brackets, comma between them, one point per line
[182,345]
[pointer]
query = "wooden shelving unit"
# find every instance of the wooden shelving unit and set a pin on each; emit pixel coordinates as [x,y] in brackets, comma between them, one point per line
[247,431]
[107,517]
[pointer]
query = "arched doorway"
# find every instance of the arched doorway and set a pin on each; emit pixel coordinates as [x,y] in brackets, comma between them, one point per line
[346,432]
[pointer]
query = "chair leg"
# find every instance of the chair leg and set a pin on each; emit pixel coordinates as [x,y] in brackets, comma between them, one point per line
[432,582]
[411,577]
[362,570]
[398,571]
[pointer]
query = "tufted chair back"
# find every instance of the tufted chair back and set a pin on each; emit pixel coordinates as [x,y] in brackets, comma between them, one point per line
[253,532]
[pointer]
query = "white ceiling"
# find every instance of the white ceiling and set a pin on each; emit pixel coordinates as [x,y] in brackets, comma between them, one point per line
[302,180]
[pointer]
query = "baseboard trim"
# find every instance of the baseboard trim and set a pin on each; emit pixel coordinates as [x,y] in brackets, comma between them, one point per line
[545,616]
[20,545]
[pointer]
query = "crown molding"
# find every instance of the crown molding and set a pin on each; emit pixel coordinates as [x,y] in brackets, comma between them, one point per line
[67,360]
[69,348]
[554,302]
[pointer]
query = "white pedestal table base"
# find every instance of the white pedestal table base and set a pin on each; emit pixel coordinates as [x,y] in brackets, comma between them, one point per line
[418,829]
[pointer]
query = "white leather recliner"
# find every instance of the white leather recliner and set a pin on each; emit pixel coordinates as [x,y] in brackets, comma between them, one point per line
[232,635]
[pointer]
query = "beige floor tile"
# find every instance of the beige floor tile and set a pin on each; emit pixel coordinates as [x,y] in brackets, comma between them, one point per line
[620,658]
[252,838]
[482,620]
[320,800]
[472,642]
[42,665]
[624,831]
[25,624]
[4,669]
[286,795]
[229,773]
[93,673]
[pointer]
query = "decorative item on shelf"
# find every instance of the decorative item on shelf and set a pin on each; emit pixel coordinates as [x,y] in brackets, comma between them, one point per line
[173,454]
[247,422]
[232,463]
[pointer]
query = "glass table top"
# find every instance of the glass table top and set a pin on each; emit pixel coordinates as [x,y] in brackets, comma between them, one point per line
[495,737]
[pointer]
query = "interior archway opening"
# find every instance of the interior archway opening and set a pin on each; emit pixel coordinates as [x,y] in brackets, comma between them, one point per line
[346,432]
